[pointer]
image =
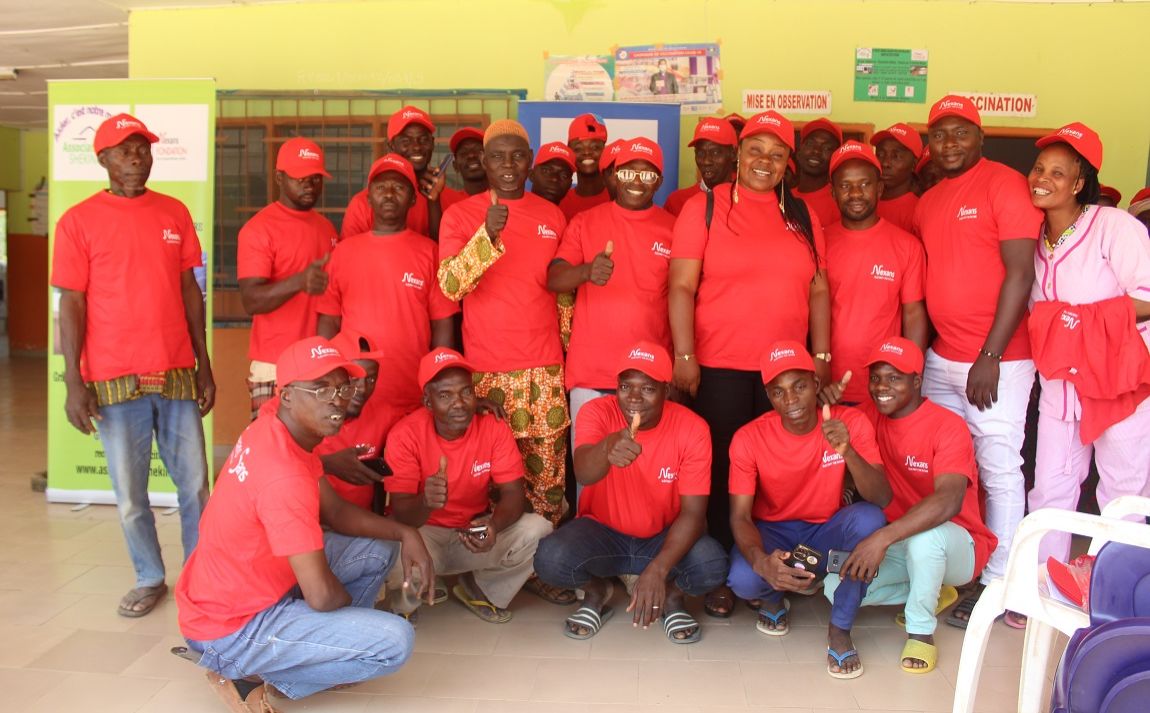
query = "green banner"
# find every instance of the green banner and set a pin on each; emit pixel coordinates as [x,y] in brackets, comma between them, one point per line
[183,114]
[890,75]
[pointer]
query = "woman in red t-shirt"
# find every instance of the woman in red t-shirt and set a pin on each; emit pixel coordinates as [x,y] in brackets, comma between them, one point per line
[746,271]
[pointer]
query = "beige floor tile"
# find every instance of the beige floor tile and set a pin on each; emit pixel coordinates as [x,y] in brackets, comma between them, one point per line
[96,692]
[23,687]
[484,677]
[619,640]
[885,686]
[808,644]
[328,702]
[33,607]
[98,612]
[23,642]
[395,704]
[740,642]
[103,552]
[586,681]
[162,620]
[159,662]
[539,638]
[690,683]
[795,685]
[187,696]
[102,579]
[39,576]
[997,690]
[451,629]
[413,678]
[30,551]
[95,652]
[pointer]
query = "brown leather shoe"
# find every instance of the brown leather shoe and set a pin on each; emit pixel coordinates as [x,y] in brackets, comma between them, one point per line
[256,702]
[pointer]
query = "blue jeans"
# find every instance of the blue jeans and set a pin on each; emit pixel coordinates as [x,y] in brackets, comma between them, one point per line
[301,651]
[126,431]
[843,531]
[584,548]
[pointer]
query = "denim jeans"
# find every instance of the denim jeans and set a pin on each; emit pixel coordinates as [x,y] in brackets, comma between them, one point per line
[584,548]
[126,430]
[301,651]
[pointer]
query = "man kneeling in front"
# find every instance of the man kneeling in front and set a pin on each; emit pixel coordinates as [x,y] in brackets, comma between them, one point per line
[269,596]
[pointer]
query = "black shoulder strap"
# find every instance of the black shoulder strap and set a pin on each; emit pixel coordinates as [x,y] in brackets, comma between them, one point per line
[710,209]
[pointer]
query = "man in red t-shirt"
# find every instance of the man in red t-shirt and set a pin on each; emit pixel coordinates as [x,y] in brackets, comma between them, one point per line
[875,270]
[133,341]
[267,571]
[715,144]
[446,459]
[279,263]
[786,485]
[645,464]
[936,539]
[382,285]
[466,146]
[553,170]
[898,148]
[586,135]
[980,230]
[818,139]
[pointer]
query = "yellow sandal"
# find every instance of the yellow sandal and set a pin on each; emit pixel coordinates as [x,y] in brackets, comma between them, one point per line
[915,649]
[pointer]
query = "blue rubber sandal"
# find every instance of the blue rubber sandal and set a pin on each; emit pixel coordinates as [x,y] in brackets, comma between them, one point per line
[774,618]
[839,658]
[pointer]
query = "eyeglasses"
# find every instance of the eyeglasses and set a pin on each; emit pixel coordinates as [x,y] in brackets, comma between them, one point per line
[328,394]
[626,175]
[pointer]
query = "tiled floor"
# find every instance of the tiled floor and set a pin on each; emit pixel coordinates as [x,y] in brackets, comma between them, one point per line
[63,648]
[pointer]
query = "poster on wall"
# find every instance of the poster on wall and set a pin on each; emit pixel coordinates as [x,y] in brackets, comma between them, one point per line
[579,78]
[182,113]
[890,75]
[688,75]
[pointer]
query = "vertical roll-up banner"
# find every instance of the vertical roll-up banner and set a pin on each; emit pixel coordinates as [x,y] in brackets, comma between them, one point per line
[182,112]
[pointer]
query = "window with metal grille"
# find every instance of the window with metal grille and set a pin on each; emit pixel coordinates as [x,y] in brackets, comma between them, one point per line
[352,129]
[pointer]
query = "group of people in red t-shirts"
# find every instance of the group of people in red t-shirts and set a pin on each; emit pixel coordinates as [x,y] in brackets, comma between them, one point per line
[804,372]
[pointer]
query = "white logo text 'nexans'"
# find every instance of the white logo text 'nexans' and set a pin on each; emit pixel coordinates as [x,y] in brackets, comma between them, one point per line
[661,250]
[708,127]
[410,280]
[239,469]
[769,120]
[965,213]
[777,354]
[850,148]
[951,104]
[897,131]
[560,150]
[642,148]
[308,155]
[322,352]
[879,272]
[480,469]
[410,114]
[832,458]
[1070,132]
[440,358]
[128,124]
[667,476]
[171,237]
[1070,320]
[888,348]
[640,354]
[547,233]
[916,465]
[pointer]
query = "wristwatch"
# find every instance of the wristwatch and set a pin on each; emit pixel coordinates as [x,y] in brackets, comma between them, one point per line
[824,356]
[685,357]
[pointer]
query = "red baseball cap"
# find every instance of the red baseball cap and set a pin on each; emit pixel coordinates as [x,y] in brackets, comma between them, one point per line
[783,356]
[922,160]
[1140,203]
[770,122]
[1112,193]
[117,128]
[954,105]
[821,124]
[439,359]
[556,151]
[736,120]
[899,352]
[854,151]
[903,134]
[393,162]
[717,131]
[355,345]
[586,126]
[467,132]
[640,149]
[610,153]
[406,116]
[300,158]
[1079,137]
[649,358]
[310,359]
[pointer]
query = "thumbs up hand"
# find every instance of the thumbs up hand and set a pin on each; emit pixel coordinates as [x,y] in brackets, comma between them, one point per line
[496,218]
[314,276]
[602,266]
[833,392]
[835,431]
[622,448]
[435,487]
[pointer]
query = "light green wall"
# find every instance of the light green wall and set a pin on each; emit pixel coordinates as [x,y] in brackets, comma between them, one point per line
[9,158]
[1082,61]
[24,155]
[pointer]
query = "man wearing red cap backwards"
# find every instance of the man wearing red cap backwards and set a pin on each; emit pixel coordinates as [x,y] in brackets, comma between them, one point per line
[1140,206]
[715,143]
[280,259]
[645,466]
[875,270]
[466,147]
[787,473]
[818,139]
[936,538]
[898,148]
[135,352]
[411,134]
[1091,259]
[446,459]
[267,571]
[979,228]
[382,285]
[587,135]
[495,250]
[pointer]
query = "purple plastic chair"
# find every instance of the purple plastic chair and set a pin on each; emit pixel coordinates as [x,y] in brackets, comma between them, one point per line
[1130,695]
[1120,584]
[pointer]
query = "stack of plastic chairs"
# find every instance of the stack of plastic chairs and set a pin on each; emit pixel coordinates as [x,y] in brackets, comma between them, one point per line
[1023,590]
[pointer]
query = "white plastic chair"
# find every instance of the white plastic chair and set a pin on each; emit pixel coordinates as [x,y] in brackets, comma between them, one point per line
[1023,590]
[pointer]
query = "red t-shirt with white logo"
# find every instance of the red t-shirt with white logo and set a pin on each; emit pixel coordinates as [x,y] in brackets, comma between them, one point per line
[486,453]
[128,256]
[642,499]
[900,211]
[368,430]
[755,285]
[510,320]
[263,510]
[632,306]
[675,202]
[872,274]
[962,221]
[384,287]
[358,217]
[794,477]
[275,244]
[922,446]
[821,202]
[573,203]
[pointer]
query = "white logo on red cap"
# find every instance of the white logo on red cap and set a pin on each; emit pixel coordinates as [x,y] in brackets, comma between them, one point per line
[879,272]
[708,126]
[642,148]
[411,114]
[951,104]
[917,465]
[561,150]
[897,130]
[888,348]
[768,119]
[640,354]
[1070,132]
[322,352]
[308,155]
[445,356]
[785,353]
[128,124]
[850,148]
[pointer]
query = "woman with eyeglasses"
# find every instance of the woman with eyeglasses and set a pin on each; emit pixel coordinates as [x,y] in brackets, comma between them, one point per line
[746,271]
[1091,282]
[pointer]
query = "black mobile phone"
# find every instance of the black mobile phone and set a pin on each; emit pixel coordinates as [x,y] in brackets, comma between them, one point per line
[806,558]
[836,559]
[479,531]
[379,465]
[446,162]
